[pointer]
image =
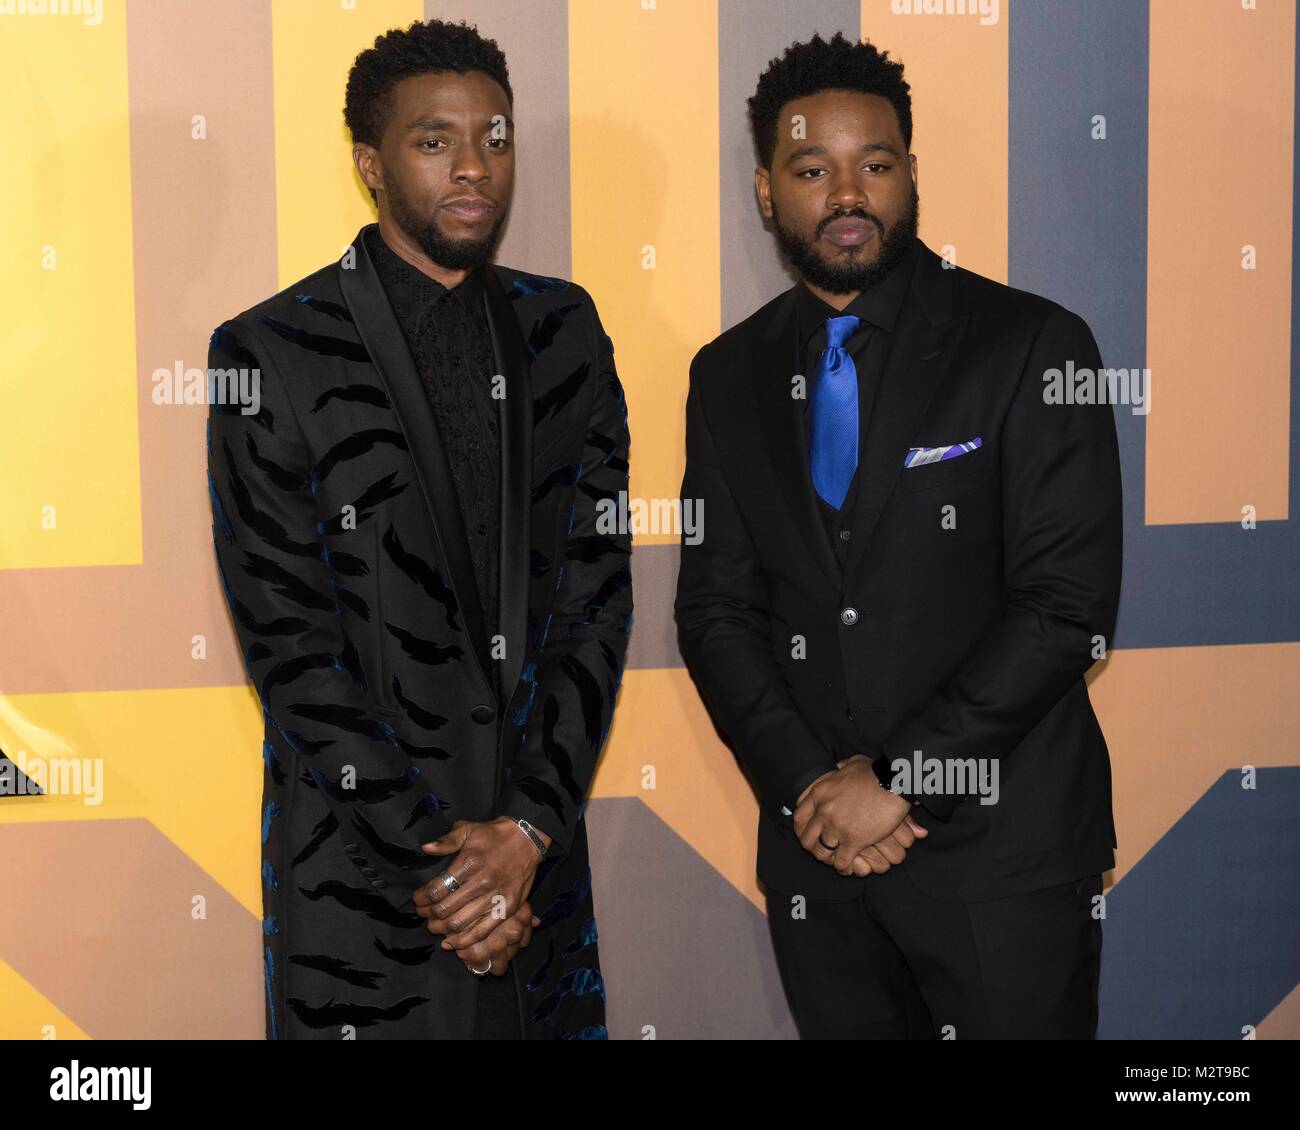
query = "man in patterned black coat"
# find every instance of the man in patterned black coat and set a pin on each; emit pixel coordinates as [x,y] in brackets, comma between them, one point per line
[432,607]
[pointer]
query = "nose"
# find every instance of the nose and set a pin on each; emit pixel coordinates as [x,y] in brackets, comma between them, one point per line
[469,167]
[845,192]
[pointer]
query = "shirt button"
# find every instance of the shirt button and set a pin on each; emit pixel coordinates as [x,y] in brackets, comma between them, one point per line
[849,617]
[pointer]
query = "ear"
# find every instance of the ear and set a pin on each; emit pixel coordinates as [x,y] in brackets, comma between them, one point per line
[911,160]
[369,167]
[763,189]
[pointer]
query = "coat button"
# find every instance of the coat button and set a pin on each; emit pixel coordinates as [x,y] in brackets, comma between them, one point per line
[369,872]
[482,714]
[378,884]
[849,617]
[352,849]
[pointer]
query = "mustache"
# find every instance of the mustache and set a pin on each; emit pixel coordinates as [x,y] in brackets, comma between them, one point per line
[858,213]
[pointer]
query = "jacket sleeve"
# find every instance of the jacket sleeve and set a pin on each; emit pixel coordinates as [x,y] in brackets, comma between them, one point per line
[1062,538]
[282,588]
[724,632]
[575,680]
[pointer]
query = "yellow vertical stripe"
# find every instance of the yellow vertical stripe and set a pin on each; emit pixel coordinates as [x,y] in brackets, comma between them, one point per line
[643,102]
[1222,99]
[958,69]
[320,201]
[69,428]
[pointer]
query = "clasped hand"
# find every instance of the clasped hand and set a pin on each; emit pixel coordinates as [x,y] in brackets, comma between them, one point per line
[869,827]
[487,918]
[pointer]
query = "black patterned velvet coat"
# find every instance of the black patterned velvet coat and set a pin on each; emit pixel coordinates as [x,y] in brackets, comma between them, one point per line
[389,713]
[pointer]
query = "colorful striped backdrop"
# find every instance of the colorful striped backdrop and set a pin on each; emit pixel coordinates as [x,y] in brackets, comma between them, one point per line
[174,161]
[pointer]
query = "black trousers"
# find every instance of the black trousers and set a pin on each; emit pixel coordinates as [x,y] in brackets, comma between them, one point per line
[497,1017]
[896,964]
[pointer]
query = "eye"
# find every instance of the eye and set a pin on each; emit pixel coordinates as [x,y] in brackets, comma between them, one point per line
[431,141]
[874,167]
[805,172]
[499,142]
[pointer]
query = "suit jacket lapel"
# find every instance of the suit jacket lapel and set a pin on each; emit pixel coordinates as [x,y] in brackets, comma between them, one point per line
[783,429]
[925,339]
[382,335]
[513,363]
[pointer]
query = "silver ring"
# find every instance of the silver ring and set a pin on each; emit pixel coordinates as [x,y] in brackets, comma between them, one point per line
[482,972]
[450,882]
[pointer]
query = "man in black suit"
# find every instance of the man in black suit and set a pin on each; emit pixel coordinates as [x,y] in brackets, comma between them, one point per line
[410,537]
[910,559]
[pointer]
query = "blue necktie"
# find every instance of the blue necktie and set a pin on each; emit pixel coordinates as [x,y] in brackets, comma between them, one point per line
[835,414]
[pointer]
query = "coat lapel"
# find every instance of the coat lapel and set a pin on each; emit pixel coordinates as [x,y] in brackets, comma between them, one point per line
[783,429]
[514,363]
[382,335]
[925,339]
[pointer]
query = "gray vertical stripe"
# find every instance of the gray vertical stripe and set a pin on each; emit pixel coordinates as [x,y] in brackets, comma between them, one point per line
[654,631]
[750,34]
[534,34]
[1078,234]
[686,954]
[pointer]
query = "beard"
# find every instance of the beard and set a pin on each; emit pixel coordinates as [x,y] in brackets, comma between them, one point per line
[453,254]
[846,274]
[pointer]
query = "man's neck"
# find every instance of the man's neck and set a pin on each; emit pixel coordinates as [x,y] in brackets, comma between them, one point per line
[409,252]
[836,301]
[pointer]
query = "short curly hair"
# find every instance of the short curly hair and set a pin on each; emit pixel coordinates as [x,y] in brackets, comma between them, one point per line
[809,68]
[426,47]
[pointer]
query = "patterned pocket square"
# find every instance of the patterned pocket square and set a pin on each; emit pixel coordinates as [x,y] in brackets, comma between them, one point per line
[917,456]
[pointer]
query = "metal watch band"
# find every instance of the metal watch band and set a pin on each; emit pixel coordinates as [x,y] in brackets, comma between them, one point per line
[527,830]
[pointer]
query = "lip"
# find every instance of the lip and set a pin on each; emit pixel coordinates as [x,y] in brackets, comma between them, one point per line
[471,209]
[848,231]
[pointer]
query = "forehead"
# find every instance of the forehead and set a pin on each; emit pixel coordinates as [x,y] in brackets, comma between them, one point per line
[850,115]
[472,98]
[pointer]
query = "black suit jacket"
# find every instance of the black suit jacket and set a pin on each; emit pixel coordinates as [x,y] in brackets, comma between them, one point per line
[966,642]
[389,713]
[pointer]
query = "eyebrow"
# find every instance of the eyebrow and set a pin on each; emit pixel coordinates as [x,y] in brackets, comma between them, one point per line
[447,123]
[820,151]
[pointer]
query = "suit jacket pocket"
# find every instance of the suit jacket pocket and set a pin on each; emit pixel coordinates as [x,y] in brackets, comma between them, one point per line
[970,467]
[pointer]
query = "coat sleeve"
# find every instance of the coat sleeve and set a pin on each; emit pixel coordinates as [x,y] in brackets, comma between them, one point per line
[1062,541]
[576,677]
[724,632]
[282,589]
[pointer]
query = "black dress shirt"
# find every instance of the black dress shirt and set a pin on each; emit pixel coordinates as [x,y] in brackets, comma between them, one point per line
[877,309]
[868,346]
[450,340]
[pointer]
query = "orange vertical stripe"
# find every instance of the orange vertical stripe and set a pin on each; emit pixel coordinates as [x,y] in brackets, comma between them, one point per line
[1218,336]
[957,67]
